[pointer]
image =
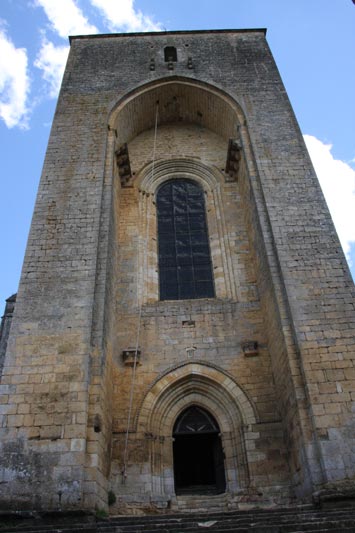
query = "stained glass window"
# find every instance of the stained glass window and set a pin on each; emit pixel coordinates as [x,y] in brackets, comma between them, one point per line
[185,268]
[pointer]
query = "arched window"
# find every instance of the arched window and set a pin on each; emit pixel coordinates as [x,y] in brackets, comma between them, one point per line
[185,268]
[195,420]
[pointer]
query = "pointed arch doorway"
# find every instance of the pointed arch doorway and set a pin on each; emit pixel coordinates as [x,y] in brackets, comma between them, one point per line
[198,453]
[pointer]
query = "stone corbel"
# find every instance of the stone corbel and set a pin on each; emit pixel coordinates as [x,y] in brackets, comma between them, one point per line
[124,166]
[250,348]
[129,357]
[234,155]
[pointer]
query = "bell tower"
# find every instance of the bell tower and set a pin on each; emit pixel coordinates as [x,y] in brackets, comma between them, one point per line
[185,318]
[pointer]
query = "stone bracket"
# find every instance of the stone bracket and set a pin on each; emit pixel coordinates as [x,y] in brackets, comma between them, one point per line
[129,355]
[124,166]
[250,348]
[233,160]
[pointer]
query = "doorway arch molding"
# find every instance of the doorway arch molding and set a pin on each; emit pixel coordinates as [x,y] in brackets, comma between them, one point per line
[206,380]
[211,389]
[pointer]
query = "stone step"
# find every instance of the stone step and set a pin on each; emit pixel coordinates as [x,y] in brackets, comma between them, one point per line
[239,518]
[299,511]
[235,515]
[256,521]
[275,522]
[194,505]
[256,528]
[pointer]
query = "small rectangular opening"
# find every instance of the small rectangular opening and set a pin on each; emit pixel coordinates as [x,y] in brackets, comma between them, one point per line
[170,53]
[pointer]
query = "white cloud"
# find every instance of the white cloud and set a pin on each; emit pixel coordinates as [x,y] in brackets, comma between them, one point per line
[51,60]
[337,180]
[66,18]
[14,83]
[121,15]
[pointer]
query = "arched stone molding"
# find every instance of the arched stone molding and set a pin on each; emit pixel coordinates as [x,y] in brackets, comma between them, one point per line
[148,181]
[205,371]
[205,386]
[152,176]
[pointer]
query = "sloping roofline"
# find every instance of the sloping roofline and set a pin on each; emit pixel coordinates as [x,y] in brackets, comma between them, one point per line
[157,33]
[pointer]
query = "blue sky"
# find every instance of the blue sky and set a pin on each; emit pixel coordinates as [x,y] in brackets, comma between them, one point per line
[313,42]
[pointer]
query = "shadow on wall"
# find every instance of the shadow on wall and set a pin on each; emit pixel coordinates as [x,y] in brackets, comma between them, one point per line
[5,326]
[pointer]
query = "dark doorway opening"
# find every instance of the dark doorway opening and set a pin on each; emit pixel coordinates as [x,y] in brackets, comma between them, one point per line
[198,454]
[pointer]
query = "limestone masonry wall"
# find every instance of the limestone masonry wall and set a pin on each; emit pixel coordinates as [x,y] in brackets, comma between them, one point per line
[271,357]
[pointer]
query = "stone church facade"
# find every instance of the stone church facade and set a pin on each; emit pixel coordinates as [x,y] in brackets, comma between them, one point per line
[185,319]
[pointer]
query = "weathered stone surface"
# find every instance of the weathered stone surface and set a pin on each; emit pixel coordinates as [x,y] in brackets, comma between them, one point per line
[89,289]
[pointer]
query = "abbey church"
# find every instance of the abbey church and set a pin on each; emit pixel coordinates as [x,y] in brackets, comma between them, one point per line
[184,327]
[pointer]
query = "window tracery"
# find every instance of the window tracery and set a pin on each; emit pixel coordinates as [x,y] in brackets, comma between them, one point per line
[185,267]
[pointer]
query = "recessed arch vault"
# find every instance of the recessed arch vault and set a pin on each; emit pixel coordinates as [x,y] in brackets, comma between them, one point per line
[183,103]
[180,100]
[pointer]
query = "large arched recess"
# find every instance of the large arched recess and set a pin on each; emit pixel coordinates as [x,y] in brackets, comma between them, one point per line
[181,100]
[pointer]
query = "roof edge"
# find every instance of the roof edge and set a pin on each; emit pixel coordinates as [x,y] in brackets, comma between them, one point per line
[160,33]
